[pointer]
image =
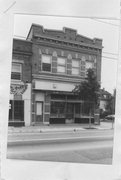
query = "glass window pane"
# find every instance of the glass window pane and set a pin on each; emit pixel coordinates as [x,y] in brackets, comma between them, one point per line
[46,67]
[16,67]
[16,76]
[75,71]
[61,69]
[61,61]
[75,63]
[46,59]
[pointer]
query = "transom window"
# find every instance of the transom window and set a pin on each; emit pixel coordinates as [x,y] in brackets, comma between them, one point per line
[75,67]
[46,63]
[61,65]
[16,71]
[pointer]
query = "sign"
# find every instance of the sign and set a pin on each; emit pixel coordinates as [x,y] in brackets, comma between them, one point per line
[18,89]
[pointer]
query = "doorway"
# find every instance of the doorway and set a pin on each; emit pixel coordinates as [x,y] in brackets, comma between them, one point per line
[39,112]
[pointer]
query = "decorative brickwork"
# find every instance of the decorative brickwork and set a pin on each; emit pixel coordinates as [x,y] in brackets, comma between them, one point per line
[59,57]
[18,89]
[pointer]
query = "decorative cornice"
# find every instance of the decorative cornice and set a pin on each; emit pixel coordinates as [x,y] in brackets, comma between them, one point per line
[75,43]
[22,52]
[78,49]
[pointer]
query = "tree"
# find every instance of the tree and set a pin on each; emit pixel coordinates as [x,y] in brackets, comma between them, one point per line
[111,103]
[88,90]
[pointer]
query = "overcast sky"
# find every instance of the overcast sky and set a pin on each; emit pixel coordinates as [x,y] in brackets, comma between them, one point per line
[107,30]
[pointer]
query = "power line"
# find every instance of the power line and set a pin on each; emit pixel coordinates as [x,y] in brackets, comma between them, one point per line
[70,16]
[109,58]
[110,53]
[10,7]
[105,22]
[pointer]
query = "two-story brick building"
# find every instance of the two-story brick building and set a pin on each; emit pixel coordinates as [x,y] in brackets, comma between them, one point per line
[20,89]
[57,60]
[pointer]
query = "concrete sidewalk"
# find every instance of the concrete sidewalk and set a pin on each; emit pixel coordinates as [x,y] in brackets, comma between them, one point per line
[59,128]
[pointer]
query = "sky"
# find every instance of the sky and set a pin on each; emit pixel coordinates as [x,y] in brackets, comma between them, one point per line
[106,29]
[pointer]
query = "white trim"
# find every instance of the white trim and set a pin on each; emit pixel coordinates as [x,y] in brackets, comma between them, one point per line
[17,61]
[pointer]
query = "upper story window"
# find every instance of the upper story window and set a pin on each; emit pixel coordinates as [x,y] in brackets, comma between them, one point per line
[75,67]
[16,72]
[61,65]
[46,63]
[89,65]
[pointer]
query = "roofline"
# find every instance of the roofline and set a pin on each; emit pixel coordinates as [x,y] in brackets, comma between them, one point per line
[62,31]
[22,40]
[33,24]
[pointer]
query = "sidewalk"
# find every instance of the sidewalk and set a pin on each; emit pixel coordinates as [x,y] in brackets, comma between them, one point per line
[59,128]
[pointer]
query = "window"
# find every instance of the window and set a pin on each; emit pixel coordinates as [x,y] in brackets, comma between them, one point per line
[57,109]
[46,63]
[75,67]
[89,65]
[16,71]
[61,65]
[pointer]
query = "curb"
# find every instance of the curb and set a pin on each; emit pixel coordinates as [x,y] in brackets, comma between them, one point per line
[55,130]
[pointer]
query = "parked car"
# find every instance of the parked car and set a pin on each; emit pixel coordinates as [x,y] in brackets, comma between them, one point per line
[109,117]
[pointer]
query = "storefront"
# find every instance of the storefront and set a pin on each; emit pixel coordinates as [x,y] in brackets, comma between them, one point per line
[20,105]
[57,106]
[16,113]
[70,109]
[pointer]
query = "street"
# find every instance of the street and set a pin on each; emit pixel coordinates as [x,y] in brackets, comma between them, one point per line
[88,146]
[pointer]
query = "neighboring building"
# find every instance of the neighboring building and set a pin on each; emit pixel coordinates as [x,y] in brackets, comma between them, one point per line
[107,102]
[58,60]
[20,89]
[105,97]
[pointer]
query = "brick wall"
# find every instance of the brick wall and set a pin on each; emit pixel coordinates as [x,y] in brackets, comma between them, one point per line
[22,51]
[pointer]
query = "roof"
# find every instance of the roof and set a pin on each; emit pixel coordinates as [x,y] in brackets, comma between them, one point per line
[65,33]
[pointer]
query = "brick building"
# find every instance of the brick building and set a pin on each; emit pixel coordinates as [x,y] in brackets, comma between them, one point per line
[20,88]
[54,61]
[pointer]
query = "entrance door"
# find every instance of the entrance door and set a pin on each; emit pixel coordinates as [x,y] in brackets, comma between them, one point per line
[70,113]
[16,112]
[39,112]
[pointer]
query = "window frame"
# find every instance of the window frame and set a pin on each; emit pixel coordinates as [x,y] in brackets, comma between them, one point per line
[64,65]
[46,63]
[76,67]
[16,72]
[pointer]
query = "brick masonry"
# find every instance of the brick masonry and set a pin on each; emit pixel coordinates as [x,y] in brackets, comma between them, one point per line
[66,43]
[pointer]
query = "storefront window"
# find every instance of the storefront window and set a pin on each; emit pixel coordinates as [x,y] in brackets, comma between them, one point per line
[16,110]
[58,109]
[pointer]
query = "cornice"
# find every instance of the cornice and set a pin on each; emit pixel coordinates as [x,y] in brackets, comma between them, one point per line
[22,52]
[81,49]
[68,41]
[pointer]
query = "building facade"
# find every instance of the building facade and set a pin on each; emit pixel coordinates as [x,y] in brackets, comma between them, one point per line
[107,102]
[56,61]
[20,88]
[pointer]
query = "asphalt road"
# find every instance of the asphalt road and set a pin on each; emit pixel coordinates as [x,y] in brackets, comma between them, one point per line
[90,146]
